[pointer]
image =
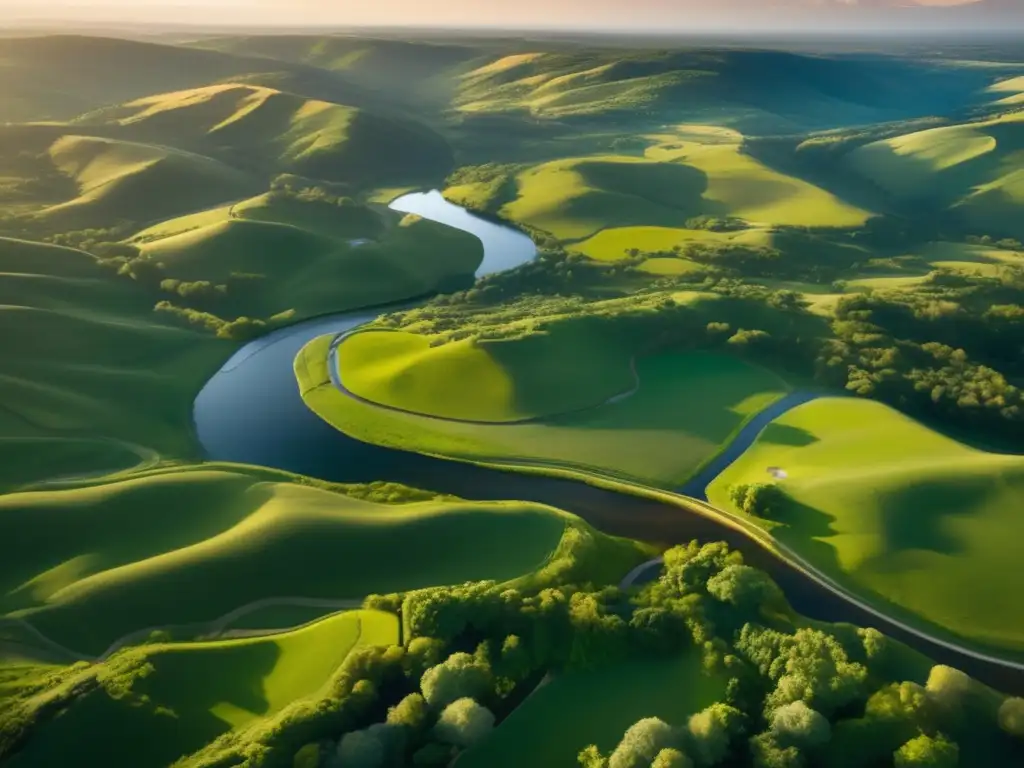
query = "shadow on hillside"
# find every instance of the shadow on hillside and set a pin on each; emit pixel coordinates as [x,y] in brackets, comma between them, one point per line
[784,434]
[916,516]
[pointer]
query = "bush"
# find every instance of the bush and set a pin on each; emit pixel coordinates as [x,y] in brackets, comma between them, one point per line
[927,752]
[464,723]
[642,742]
[798,725]
[459,676]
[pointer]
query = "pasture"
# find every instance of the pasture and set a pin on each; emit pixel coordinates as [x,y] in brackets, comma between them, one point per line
[918,524]
[166,700]
[686,408]
[566,369]
[85,567]
[579,708]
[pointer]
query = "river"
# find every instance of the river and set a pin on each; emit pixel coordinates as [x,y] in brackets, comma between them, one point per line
[250,412]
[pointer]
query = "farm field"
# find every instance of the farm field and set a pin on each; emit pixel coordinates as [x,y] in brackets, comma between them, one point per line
[660,435]
[580,708]
[181,696]
[911,519]
[228,537]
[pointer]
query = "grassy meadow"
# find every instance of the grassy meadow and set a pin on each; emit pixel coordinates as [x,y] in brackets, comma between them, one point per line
[686,408]
[229,537]
[177,697]
[913,520]
[595,707]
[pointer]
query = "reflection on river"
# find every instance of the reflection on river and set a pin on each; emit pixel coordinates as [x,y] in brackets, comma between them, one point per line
[251,412]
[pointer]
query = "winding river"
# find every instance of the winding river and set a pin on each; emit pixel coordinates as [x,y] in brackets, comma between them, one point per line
[251,412]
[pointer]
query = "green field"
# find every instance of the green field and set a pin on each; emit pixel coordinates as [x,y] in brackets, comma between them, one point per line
[86,359]
[971,169]
[121,180]
[215,540]
[504,380]
[304,258]
[576,709]
[682,175]
[686,408]
[194,692]
[919,524]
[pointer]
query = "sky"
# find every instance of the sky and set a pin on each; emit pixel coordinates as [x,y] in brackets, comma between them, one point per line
[652,15]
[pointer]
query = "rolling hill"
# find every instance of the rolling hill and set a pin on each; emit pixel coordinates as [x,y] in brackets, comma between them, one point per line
[177,697]
[272,130]
[970,170]
[127,181]
[925,526]
[216,539]
[754,91]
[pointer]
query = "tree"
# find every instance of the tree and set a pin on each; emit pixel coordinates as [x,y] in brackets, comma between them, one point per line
[928,752]
[410,712]
[744,587]
[1011,716]
[459,676]
[671,758]
[797,725]
[948,687]
[642,742]
[360,749]
[422,653]
[591,757]
[464,723]
[767,753]
[711,731]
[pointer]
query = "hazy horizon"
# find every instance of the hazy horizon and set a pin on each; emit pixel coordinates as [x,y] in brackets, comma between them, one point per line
[666,16]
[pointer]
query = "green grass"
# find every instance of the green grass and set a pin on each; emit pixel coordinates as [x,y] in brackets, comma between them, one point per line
[581,708]
[917,523]
[304,259]
[86,567]
[971,169]
[686,408]
[285,132]
[683,175]
[120,180]
[86,360]
[615,243]
[194,692]
[506,380]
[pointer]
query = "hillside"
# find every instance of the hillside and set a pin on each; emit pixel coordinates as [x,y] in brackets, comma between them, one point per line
[759,91]
[126,181]
[57,77]
[90,373]
[970,170]
[282,251]
[211,688]
[105,572]
[260,127]
[922,524]
[411,70]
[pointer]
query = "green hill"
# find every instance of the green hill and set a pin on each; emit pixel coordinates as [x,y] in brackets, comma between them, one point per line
[89,371]
[410,70]
[309,256]
[927,528]
[757,91]
[85,568]
[695,171]
[505,380]
[126,181]
[264,128]
[158,703]
[971,170]
[56,77]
